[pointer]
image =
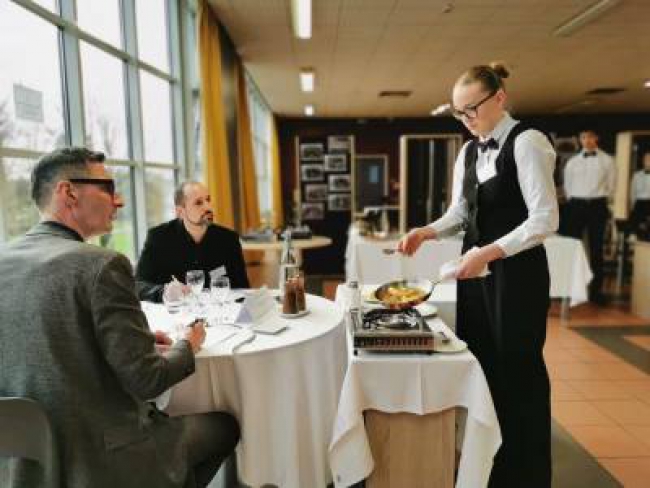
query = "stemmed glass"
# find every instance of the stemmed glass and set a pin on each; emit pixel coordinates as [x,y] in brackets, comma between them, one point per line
[195,279]
[220,289]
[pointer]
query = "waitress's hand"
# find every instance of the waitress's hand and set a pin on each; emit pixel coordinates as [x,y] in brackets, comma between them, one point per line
[412,241]
[476,259]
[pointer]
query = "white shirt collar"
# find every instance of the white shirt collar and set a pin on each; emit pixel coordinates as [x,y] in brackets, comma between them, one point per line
[501,130]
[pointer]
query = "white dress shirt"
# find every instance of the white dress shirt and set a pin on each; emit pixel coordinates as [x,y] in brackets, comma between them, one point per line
[640,189]
[535,160]
[590,177]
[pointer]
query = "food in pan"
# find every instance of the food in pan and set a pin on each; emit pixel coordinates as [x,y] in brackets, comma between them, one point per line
[395,295]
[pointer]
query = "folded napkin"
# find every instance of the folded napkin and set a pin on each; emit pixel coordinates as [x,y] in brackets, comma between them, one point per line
[256,304]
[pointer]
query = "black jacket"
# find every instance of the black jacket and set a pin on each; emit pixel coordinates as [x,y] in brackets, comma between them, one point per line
[170,251]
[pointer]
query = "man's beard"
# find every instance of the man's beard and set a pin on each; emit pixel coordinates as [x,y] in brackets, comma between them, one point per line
[205,220]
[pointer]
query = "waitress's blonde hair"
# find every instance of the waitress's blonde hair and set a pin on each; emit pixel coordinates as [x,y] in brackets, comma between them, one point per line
[490,76]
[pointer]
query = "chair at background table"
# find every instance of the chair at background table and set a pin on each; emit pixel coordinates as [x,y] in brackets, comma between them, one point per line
[27,433]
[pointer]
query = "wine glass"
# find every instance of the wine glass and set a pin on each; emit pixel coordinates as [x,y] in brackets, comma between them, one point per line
[195,279]
[220,289]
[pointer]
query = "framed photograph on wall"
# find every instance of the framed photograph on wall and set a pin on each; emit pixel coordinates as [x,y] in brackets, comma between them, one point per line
[315,192]
[312,151]
[336,162]
[339,203]
[339,183]
[338,144]
[313,211]
[312,172]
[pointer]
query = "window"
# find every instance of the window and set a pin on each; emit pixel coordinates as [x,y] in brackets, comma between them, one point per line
[30,91]
[104,102]
[261,126]
[128,104]
[101,19]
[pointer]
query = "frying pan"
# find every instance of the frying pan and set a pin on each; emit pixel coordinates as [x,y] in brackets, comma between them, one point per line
[425,286]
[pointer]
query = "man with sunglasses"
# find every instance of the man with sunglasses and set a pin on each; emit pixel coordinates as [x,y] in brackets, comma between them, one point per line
[74,338]
[504,198]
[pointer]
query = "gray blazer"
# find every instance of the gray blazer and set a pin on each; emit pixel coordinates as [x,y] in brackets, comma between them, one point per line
[74,338]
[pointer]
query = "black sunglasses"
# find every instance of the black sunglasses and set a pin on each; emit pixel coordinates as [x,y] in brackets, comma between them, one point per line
[106,184]
[470,112]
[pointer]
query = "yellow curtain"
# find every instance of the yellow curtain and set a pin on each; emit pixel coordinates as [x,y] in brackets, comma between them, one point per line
[276,173]
[213,125]
[250,204]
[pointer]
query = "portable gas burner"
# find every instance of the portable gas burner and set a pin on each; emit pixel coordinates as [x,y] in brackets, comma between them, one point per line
[383,330]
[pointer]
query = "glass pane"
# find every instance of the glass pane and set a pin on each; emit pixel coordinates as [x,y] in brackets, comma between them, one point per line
[104,102]
[48,4]
[156,118]
[17,212]
[122,239]
[31,109]
[101,19]
[159,187]
[151,24]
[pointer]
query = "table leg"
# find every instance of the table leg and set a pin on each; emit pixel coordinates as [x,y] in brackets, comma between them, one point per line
[411,450]
[564,308]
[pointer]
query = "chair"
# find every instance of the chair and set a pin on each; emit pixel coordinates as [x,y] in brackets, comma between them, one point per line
[27,433]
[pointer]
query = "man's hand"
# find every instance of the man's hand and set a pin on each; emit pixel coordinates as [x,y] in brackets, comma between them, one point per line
[476,259]
[195,335]
[412,241]
[163,341]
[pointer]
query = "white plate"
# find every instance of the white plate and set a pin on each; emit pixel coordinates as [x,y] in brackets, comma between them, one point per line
[294,315]
[454,346]
[427,309]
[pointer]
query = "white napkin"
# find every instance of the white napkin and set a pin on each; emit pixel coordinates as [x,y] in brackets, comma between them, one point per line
[256,304]
[450,268]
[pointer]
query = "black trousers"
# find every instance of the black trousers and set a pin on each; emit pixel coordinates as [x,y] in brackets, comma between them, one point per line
[503,320]
[590,215]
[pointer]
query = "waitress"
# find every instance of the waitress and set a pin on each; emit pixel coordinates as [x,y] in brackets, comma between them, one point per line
[504,198]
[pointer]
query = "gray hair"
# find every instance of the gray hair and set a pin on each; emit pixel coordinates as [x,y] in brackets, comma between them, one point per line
[60,164]
[179,193]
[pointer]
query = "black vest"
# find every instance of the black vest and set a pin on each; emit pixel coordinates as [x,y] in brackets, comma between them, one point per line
[496,206]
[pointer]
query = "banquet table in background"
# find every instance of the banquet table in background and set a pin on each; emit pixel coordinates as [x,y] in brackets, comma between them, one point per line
[417,384]
[282,388]
[366,262]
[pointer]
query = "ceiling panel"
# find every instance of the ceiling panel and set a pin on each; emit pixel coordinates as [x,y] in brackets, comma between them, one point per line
[360,47]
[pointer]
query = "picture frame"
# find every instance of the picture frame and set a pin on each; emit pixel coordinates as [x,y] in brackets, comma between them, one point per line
[339,202]
[339,183]
[336,162]
[316,192]
[312,172]
[312,151]
[338,144]
[312,211]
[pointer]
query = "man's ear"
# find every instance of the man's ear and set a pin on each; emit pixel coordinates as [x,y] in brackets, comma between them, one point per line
[64,191]
[179,211]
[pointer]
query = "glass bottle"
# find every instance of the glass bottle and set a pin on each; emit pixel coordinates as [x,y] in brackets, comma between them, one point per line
[288,263]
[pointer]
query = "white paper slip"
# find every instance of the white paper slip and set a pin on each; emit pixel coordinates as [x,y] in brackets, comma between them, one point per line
[269,327]
[256,305]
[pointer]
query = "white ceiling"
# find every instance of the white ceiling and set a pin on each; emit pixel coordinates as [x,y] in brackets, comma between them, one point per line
[361,47]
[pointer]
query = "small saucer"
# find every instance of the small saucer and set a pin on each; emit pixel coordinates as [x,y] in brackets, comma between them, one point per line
[294,315]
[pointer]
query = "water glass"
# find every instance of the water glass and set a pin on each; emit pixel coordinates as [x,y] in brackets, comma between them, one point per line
[220,289]
[195,279]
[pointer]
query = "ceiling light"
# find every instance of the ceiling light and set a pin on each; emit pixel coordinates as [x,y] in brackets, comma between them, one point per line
[301,16]
[647,84]
[583,18]
[307,78]
[309,110]
[440,109]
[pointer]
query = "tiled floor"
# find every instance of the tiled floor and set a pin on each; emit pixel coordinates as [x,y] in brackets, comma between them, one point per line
[600,394]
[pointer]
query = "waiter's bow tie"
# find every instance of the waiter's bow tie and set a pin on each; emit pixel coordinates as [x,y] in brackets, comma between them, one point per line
[489,144]
[589,154]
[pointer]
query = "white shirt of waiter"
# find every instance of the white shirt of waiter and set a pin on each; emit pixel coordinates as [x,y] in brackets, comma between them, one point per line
[590,176]
[640,189]
[535,160]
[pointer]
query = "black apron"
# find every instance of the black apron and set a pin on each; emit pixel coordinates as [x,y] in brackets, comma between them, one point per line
[503,320]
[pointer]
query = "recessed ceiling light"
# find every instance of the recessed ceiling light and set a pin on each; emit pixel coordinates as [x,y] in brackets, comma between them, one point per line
[440,109]
[309,110]
[307,78]
[588,15]
[647,84]
[301,16]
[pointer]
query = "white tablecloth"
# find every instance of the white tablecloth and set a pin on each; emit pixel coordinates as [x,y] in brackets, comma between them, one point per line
[419,385]
[283,389]
[365,262]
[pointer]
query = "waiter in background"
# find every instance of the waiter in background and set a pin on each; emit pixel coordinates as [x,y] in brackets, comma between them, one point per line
[589,184]
[640,200]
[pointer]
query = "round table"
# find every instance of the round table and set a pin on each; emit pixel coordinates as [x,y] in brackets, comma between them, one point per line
[277,245]
[282,388]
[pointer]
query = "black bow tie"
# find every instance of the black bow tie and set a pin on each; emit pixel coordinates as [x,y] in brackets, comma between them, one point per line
[489,144]
[589,154]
